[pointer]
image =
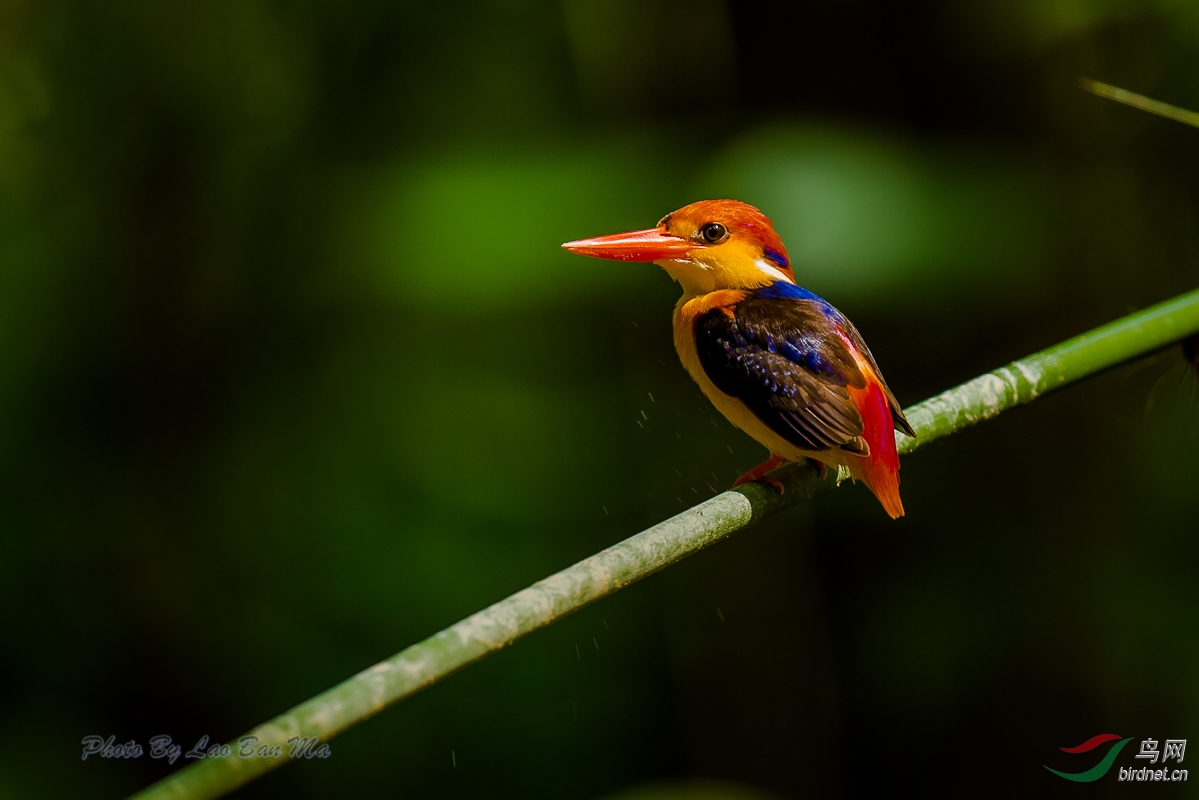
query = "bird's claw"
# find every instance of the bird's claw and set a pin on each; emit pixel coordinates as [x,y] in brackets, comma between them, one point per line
[758,474]
[775,482]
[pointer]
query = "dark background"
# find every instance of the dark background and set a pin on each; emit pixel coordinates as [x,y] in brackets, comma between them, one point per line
[293,374]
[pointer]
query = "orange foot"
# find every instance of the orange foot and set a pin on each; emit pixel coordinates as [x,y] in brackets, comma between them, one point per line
[820,465]
[758,473]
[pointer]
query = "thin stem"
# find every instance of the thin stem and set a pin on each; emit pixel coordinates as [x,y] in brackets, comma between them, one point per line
[1140,101]
[475,637]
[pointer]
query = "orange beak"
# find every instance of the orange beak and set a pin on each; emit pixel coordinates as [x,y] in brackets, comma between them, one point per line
[648,245]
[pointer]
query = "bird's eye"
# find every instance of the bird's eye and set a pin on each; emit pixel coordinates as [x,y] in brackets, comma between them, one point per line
[714,233]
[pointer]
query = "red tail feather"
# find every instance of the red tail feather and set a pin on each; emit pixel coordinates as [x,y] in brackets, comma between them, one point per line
[879,470]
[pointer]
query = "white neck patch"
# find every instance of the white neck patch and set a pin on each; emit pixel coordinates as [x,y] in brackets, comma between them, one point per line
[771,270]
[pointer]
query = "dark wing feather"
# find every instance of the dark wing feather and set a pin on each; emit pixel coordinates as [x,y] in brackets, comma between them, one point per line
[901,422]
[782,357]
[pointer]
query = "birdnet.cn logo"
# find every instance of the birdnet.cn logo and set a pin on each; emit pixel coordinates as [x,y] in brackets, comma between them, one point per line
[1146,770]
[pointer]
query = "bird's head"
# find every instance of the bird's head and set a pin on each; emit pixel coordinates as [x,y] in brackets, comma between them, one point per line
[706,246]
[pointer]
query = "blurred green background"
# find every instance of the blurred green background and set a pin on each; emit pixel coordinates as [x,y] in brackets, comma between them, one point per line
[293,374]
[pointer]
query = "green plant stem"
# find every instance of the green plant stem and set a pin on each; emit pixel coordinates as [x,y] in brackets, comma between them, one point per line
[1140,101]
[442,654]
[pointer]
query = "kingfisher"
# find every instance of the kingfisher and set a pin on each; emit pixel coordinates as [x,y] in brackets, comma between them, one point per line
[778,361]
